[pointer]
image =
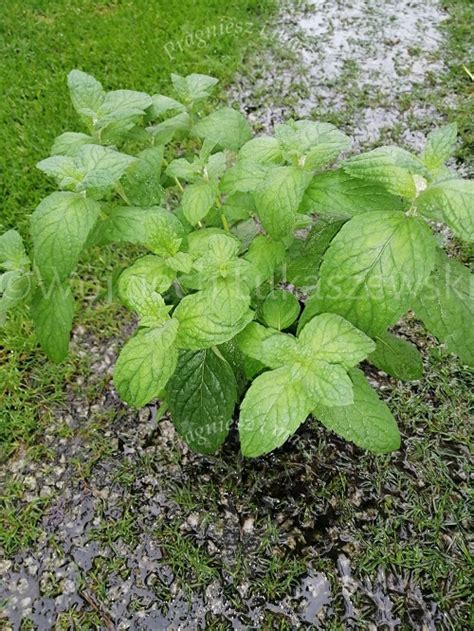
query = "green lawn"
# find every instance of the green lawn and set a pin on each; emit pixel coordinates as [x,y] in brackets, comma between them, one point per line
[133,45]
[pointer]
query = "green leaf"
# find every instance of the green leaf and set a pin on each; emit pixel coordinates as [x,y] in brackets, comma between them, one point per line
[15,287]
[226,128]
[52,311]
[12,251]
[367,421]
[146,363]
[388,166]
[69,143]
[264,150]
[180,262]
[305,257]
[162,104]
[154,226]
[212,316]
[440,145]
[455,200]
[167,129]
[337,193]
[184,170]
[266,256]
[122,104]
[315,144]
[148,272]
[280,309]
[269,347]
[141,183]
[278,198]
[446,307]
[194,87]
[60,227]
[101,166]
[373,270]
[325,384]
[87,94]
[274,407]
[397,357]
[64,169]
[201,396]
[330,338]
[216,165]
[198,199]
[93,166]
[244,177]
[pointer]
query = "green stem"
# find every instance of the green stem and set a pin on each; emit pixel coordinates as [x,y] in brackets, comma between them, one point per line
[161,411]
[121,191]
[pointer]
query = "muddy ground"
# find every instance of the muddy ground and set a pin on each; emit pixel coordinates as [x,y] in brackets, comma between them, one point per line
[130,530]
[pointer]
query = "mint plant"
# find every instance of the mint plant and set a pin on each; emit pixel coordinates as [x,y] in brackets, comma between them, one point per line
[270,266]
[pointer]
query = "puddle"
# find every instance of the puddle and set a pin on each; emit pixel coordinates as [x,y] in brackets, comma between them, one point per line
[360,60]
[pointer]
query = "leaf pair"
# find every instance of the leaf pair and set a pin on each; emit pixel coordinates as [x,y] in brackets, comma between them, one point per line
[307,371]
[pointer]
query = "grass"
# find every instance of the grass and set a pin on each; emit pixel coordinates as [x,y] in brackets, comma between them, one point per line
[459,79]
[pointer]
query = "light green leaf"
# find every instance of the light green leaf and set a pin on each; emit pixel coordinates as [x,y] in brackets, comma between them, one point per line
[225,127]
[397,357]
[120,104]
[337,193]
[12,251]
[216,165]
[388,166]
[64,169]
[101,166]
[154,226]
[212,316]
[269,347]
[440,145]
[266,256]
[325,384]
[60,227]
[184,170]
[141,183]
[280,309]
[305,256]
[162,104]
[367,421]
[315,144]
[455,200]
[201,396]
[373,269]
[278,198]
[15,287]
[52,311]
[180,262]
[194,87]
[69,143]
[446,307]
[274,407]
[264,150]
[244,177]
[147,272]
[198,199]
[167,129]
[146,364]
[330,338]
[87,94]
